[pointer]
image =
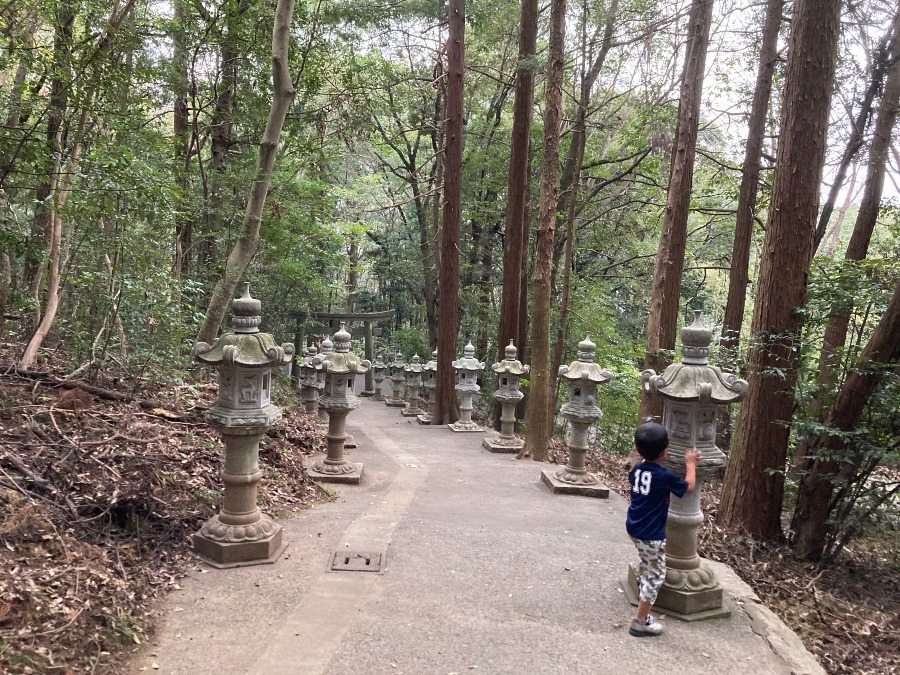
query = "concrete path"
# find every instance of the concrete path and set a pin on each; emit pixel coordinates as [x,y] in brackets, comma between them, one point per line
[486,572]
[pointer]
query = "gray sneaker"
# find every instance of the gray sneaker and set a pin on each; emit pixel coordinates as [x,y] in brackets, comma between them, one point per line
[651,627]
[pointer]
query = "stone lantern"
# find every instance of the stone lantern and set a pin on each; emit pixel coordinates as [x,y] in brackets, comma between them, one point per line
[509,373]
[429,381]
[397,376]
[341,367]
[240,534]
[309,393]
[413,384]
[581,412]
[378,374]
[467,369]
[691,391]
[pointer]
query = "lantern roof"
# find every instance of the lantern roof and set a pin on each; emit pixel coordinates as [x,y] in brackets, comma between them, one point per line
[510,365]
[398,361]
[327,345]
[584,367]
[693,379]
[246,346]
[431,365]
[378,362]
[468,361]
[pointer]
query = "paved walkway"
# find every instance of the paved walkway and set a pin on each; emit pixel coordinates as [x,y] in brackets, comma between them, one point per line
[486,572]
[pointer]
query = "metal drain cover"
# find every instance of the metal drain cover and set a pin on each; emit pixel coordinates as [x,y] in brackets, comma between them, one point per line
[347,561]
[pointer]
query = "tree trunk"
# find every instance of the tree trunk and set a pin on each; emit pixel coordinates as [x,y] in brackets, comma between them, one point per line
[515,241]
[448,321]
[245,247]
[739,277]
[754,482]
[883,56]
[60,86]
[814,503]
[667,272]
[539,419]
[183,232]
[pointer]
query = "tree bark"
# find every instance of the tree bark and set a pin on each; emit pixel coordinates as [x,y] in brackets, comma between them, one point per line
[516,238]
[739,277]
[183,230]
[814,499]
[669,266]
[448,321]
[245,247]
[754,482]
[539,419]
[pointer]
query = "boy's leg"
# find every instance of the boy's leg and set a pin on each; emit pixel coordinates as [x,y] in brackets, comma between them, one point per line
[652,573]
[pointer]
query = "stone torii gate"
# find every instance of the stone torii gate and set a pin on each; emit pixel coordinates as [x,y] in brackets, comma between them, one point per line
[366,318]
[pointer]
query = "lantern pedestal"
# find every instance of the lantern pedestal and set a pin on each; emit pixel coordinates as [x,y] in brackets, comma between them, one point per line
[551,479]
[683,603]
[507,440]
[240,534]
[465,423]
[413,384]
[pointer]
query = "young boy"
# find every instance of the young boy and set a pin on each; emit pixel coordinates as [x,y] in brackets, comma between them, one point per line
[651,484]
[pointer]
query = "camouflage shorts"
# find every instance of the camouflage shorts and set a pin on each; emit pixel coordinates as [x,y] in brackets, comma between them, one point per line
[652,567]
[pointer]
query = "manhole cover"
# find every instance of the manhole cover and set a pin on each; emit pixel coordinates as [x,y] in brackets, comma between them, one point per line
[345,561]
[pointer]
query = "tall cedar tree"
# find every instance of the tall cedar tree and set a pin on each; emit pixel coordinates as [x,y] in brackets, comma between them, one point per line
[517,186]
[754,482]
[448,319]
[539,417]
[245,247]
[669,267]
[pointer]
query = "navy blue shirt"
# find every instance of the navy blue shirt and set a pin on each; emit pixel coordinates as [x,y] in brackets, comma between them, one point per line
[651,485]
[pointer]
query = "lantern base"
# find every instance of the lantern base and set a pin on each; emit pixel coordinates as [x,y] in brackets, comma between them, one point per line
[412,412]
[559,487]
[684,604]
[367,393]
[424,418]
[239,554]
[395,403]
[465,427]
[350,478]
[500,444]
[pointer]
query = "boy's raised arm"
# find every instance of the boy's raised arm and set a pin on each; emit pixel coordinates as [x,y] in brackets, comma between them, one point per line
[691,457]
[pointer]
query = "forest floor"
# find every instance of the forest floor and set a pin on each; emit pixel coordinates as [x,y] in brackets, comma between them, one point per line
[100,489]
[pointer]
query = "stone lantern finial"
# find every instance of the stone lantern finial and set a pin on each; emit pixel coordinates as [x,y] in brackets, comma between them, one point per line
[695,340]
[587,350]
[510,352]
[246,312]
[342,340]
